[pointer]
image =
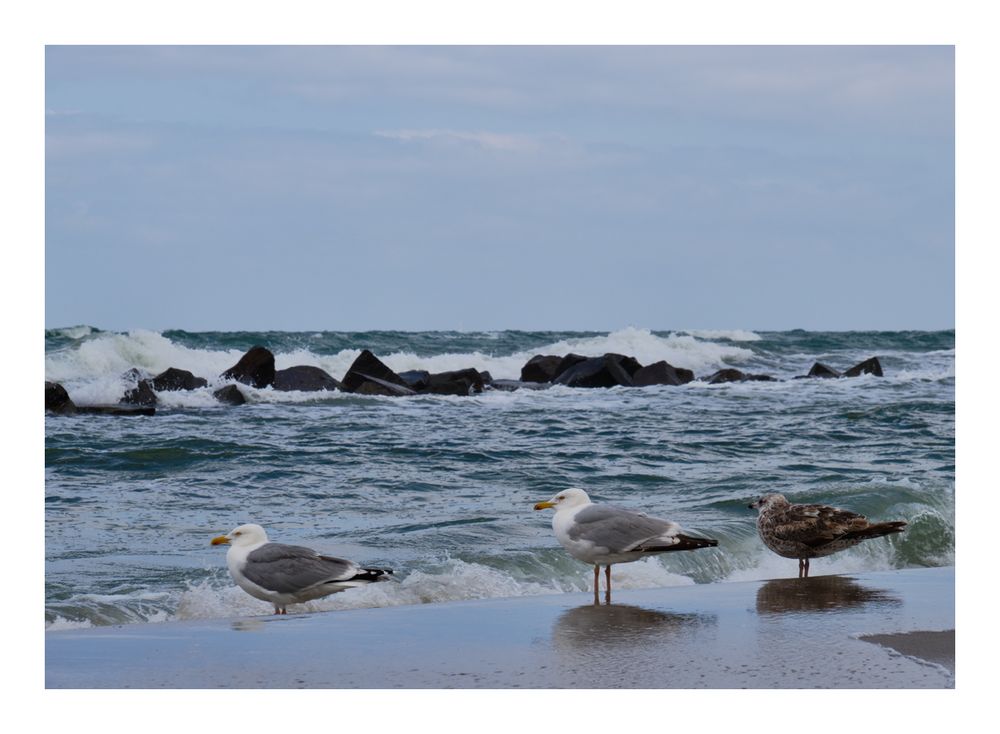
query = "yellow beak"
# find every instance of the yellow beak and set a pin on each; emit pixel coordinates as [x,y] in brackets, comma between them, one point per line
[544,505]
[221,540]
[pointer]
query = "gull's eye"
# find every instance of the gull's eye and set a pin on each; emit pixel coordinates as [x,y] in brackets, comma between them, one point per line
[237,533]
[561,497]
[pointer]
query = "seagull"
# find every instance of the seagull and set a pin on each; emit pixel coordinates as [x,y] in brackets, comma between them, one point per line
[605,534]
[288,574]
[813,531]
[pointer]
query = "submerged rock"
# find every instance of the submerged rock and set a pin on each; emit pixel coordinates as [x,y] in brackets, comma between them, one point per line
[870,366]
[376,386]
[305,378]
[661,373]
[230,394]
[511,385]
[177,379]
[57,399]
[734,375]
[122,410]
[456,382]
[821,370]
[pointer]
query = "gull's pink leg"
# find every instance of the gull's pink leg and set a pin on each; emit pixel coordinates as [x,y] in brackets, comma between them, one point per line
[607,576]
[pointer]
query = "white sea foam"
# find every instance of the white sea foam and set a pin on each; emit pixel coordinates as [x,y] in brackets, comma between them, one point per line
[96,367]
[456,580]
[735,335]
[74,332]
[871,556]
[115,354]
[452,580]
[61,623]
[680,350]
[446,581]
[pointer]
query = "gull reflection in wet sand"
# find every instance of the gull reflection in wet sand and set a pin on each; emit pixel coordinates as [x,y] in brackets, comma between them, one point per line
[614,624]
[248,625]
[819,594]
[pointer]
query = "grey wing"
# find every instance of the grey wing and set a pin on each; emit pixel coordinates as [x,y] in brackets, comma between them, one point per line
[291,568]
[618,529]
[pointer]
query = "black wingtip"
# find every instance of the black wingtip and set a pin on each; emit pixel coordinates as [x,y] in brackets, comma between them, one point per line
[371,574]
[685,542]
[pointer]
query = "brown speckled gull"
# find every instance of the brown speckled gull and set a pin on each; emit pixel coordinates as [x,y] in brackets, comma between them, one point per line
[813,531]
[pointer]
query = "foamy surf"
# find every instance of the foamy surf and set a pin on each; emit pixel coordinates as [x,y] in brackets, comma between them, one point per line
[106,356]
[679,349]
[216,597]
[95,366]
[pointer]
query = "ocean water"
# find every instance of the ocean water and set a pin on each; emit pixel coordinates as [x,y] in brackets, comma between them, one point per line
[441,488]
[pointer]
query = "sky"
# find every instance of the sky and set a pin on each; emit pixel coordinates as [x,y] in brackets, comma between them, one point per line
[500,187]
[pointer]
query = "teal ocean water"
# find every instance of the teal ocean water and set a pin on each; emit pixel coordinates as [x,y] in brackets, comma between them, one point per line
[441,488]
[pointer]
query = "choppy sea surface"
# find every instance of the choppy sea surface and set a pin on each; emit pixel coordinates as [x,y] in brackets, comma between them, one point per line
[441,488]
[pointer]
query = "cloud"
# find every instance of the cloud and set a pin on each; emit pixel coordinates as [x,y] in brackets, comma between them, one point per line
[65,144]
[481,138]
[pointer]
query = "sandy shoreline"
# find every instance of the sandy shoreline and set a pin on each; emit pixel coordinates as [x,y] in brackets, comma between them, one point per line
[892,629]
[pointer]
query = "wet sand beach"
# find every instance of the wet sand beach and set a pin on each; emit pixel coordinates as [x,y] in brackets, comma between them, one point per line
[873,630]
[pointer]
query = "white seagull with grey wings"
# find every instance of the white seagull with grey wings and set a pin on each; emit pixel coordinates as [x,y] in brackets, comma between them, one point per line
[605,534]
[288,574]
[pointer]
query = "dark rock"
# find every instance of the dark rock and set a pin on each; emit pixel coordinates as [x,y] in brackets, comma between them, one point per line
[566,362]
[456,382]
[57,399]
[415,379]
[486,377]
[725,375]
[511,385]
[629,364]
[605,371]
[305,378]
[821,370]
[369,368]
[141,394]
[761,378]
[540,368]
[230,394]
[255,368]
[123,410]
[175,379]
[733,375]
[376,386]
[870,366]
[661,373]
